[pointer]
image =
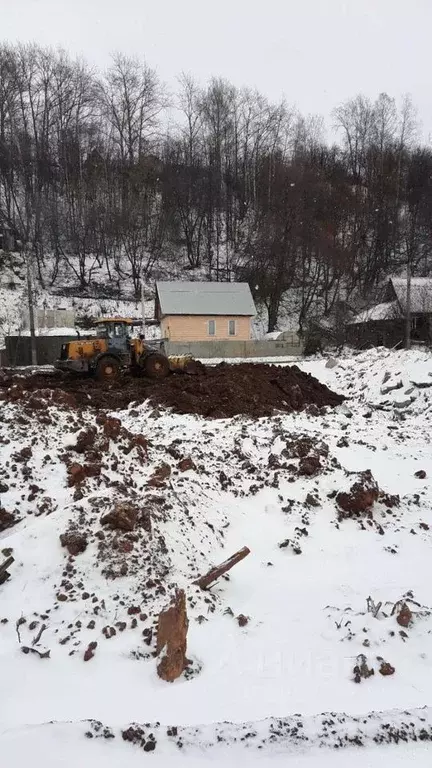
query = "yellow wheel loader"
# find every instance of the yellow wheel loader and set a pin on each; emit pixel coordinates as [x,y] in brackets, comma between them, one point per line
[113,349]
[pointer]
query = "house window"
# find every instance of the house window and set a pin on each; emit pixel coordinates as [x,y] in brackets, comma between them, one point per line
[212,327]
[232,328]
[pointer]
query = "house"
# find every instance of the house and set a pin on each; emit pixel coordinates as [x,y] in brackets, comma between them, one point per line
[384,324]
[204,311]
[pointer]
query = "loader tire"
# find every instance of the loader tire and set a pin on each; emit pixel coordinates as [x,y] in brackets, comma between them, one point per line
[156,366]
[108,369]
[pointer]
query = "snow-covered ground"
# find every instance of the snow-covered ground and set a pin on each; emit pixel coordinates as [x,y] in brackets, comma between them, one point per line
[304,587]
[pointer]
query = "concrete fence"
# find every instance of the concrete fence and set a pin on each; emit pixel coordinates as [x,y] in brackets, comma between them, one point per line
[52,318]
[236,349]
[18,349]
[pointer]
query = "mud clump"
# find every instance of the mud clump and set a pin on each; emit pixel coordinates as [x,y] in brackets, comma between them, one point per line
[360,498]
[242,620]
[386,669]
[137,735]
[7,520]
[160,476]
[122,518]
[221,391]
[186,464]
[75,543]
[85,440]
[112,428]
[24,455]
[77,473]
[298,447]
[309,466]
[404,616]
[90,651]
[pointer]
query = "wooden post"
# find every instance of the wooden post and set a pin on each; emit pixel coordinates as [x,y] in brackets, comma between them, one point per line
[408,308]
[219,570]
[4,575]
[143,305]
[31,308]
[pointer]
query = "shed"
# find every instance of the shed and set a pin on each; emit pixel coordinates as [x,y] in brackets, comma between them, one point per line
[202,311]
[421,294]
[384,323]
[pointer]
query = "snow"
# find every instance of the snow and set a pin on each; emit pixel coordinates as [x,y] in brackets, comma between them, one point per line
[51,332]
[384,311]
[279,360]
[51,746]
[308,616]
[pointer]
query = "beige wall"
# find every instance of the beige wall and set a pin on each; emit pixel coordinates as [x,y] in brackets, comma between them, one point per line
[195,327]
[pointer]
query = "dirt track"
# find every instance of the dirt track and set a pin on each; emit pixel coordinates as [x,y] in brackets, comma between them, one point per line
[221,392]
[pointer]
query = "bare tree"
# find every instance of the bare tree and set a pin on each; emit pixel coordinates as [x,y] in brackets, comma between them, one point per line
[132,98]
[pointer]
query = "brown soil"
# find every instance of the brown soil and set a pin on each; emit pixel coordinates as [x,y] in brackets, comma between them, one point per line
[222,391]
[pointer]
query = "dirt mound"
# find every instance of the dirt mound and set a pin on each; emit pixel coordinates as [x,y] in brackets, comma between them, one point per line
[251,389]
[223,391]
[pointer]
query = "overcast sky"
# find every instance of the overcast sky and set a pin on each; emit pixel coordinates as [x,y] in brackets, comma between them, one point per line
[315,52]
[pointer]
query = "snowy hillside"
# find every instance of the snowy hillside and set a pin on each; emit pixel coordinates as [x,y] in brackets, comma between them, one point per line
[14,303]
[292,633]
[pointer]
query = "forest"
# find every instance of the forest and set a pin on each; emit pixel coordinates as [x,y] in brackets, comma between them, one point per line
[109,170]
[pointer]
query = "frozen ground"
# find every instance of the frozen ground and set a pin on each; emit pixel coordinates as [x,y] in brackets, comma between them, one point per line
[306,601]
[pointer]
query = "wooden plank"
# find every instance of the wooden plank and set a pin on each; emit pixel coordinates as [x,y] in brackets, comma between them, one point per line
[4,575]
[218,571]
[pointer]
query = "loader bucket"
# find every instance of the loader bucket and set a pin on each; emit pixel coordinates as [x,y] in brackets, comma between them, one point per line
[185,364]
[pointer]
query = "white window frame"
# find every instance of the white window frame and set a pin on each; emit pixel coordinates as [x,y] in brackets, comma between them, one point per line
[214,328]
[229,327]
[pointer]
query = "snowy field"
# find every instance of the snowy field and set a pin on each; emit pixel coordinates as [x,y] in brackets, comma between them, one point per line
[260,691]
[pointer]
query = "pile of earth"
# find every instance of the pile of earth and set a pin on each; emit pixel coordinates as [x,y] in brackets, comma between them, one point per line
[222,391]
[251,389]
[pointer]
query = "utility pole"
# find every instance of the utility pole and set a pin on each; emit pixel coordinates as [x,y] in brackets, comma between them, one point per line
[143,305]
[408,308]
[31,307]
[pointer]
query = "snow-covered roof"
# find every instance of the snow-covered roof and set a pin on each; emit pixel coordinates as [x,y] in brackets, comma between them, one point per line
[272,335]
[285,335]
[421,293]
[385,311]
[205,298]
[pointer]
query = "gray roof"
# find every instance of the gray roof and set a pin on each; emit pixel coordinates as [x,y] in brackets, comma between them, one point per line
[201,298]
[421,293]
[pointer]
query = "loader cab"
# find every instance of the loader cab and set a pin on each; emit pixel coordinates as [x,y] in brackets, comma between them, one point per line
[117,330]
